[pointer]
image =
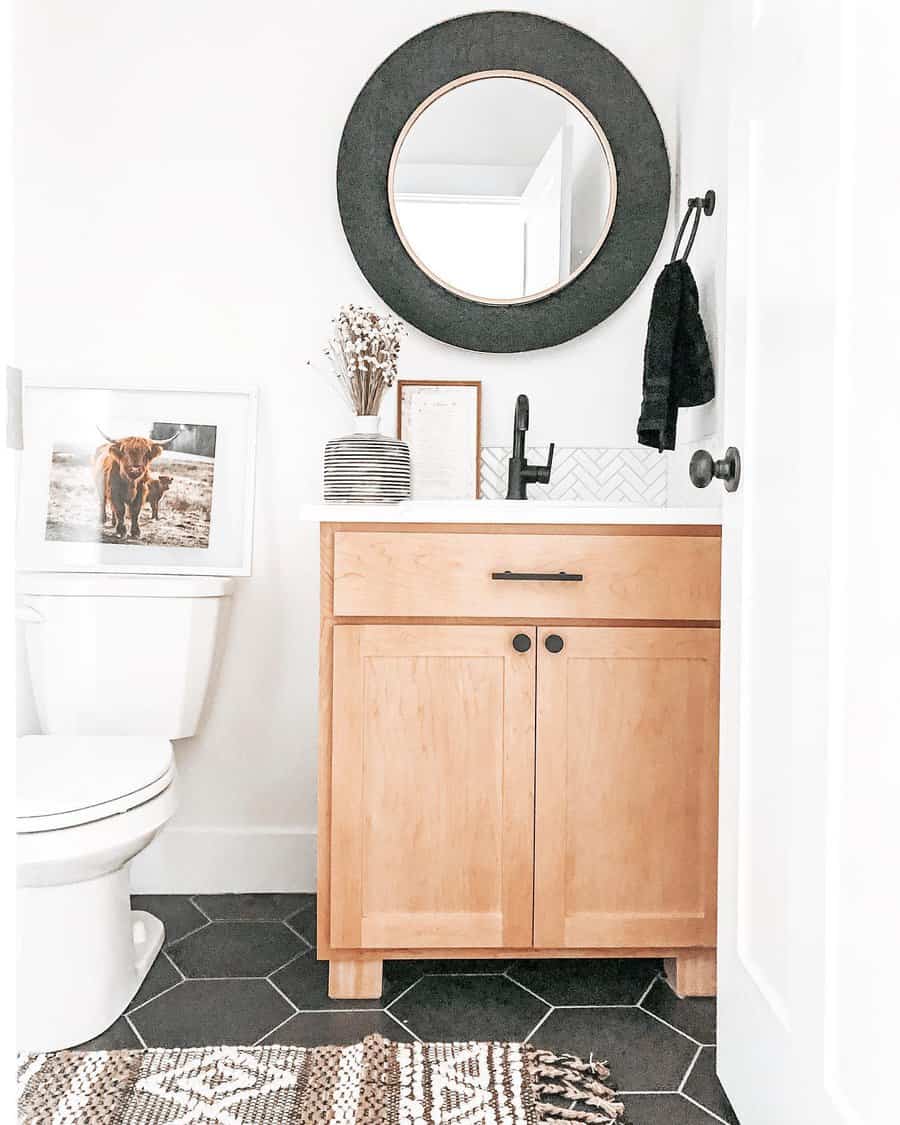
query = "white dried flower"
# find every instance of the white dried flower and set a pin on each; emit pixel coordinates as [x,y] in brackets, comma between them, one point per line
[363,353]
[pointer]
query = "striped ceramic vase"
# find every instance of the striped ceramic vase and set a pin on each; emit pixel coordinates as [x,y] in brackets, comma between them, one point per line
[366,467]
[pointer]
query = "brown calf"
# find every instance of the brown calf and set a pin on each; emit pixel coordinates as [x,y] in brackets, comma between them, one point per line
[121,474]
[156,486]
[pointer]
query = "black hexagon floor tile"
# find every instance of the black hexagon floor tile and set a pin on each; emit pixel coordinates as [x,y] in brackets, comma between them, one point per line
[304,919]
[704,1087]
[198,1012]
[305,983]
[251,907]
[663,1109]
[119,1037]
[585,980]
[317,1029]
[696,1016]
[176,912]
[642,1053]
[162,975]
[464,966]
[236,949]
[461,1008]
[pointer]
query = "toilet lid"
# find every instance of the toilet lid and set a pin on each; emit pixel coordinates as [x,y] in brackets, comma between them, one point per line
[68,773]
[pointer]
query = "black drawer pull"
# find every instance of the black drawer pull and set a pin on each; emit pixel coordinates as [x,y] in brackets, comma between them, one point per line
[515,576]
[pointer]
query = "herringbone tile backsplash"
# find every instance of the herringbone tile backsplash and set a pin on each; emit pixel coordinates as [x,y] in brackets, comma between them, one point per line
[607,476]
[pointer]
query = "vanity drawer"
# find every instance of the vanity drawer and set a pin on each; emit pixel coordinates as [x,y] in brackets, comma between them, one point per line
[672,575]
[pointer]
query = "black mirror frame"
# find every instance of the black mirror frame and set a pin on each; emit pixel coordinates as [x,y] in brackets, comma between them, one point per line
[535,45]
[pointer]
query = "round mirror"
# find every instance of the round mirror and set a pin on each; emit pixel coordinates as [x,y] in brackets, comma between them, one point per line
[502,187]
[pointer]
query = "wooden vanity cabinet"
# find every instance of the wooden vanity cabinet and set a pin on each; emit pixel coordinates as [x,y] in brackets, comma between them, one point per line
[529,769]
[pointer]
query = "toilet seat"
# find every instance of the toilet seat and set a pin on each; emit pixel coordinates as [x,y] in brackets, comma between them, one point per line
[67,780]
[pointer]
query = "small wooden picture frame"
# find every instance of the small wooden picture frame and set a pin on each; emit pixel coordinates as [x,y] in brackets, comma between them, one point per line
[440,420]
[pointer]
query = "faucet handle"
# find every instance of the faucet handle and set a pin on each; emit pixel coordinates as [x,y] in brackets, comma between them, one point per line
[543,471]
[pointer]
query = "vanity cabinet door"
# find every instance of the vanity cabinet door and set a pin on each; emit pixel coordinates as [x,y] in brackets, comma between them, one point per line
[625,844]
[432,786]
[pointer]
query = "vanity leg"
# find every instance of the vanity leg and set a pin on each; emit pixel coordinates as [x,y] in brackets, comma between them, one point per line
[692,973]
[354,980]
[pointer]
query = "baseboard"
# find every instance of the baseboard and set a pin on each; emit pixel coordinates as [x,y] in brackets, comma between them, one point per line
[227,860]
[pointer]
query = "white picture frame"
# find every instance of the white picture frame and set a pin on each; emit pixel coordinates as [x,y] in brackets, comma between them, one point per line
[440,420]
[203,523]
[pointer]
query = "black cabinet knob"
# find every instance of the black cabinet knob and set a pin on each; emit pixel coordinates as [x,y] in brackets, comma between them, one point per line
[554,643]
[521,642]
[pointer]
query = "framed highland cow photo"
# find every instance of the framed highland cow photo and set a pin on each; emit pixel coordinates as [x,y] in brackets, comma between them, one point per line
[153,481]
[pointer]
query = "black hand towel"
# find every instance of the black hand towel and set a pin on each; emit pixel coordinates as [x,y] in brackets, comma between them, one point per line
[677,367]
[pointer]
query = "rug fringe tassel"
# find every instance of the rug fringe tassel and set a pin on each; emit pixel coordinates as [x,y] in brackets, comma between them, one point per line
[569,1077]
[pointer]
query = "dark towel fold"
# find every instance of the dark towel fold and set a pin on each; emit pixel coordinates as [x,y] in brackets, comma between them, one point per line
[677,367]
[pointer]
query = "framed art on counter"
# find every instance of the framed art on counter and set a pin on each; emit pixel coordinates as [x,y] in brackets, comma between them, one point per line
[135,479]
[441,423]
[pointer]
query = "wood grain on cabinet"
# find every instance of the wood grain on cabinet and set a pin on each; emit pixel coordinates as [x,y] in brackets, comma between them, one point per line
[393,853]
[440,573]
[432,787]
[625,839]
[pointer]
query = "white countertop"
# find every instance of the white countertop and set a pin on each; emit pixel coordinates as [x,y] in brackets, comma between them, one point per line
[505,511]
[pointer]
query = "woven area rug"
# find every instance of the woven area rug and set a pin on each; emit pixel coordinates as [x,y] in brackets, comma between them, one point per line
[375,1082]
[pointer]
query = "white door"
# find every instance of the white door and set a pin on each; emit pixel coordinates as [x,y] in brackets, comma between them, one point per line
[810,749]
[542,203]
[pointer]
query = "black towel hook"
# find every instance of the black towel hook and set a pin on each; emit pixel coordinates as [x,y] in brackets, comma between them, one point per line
[706,204]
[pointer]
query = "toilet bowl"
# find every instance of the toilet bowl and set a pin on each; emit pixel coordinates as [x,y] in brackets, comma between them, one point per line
[96,788]
[85,806]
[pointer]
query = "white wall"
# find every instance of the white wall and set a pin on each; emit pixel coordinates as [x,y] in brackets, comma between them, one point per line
[702,164]
[177,223]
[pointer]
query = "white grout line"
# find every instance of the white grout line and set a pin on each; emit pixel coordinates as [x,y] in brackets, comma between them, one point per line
[280,993]
[290,961]
[399,1023]
[294,930]
[266,1034]
[140,1037]
[174,966]
[144,1003]
[545,1016]
[714,1116]
[191,899]
[249,922]
[530,991]
[687,1073]
[648,989]
[387,1007]
[179,940]
[671,1027]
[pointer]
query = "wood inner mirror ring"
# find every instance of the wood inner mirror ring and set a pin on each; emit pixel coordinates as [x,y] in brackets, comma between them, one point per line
[577,105]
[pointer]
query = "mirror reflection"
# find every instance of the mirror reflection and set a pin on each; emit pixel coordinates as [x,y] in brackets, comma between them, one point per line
[502,187]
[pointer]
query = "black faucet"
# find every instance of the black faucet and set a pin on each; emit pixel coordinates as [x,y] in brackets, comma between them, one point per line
[521,473]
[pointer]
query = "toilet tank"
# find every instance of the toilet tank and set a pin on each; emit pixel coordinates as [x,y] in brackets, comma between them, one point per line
[120,654]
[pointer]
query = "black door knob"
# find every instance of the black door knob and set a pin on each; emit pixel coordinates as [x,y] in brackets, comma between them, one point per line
[554,643]
[521,642]
[704,469]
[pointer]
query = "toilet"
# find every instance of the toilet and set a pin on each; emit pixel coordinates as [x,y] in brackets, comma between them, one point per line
[119,667]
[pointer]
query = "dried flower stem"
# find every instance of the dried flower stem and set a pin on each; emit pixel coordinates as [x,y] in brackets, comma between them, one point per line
[363,353]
